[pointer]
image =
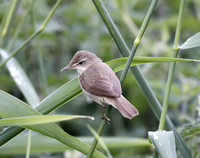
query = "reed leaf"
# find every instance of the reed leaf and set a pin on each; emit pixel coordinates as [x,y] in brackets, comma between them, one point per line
[12,107]
[36,120]
[21,79]
[42,143]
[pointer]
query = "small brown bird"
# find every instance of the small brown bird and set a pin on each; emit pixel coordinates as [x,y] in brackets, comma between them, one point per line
[100,83]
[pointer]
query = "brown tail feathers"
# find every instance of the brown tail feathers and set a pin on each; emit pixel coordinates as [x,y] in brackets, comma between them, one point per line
[124,106]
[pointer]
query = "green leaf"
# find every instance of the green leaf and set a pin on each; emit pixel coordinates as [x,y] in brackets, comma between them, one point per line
[21,79]
[191,42]
[41,144]
[164,143]
[36,120]
[12,107]
[118,64]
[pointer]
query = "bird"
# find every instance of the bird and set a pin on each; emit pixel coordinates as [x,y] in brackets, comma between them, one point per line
[100,83]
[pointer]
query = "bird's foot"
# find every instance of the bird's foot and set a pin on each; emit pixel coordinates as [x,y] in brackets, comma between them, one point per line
[105,118]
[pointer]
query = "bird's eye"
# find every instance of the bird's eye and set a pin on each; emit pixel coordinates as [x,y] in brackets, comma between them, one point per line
[80,63]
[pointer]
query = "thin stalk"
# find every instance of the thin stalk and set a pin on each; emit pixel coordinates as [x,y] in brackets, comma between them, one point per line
[28,147]
[172,66]
[43,74]
[171,70]
[138,39]
[99,132]
[145,22]
[19,28]
[167,92]
[124,73]
[8,21]
[41,29]
[128,63]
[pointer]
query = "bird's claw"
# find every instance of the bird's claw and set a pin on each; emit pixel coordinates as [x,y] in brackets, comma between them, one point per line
[105,118]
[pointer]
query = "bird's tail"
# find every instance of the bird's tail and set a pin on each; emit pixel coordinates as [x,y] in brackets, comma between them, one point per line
[124,106]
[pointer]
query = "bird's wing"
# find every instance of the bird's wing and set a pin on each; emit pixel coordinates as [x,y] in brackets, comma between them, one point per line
[100,85]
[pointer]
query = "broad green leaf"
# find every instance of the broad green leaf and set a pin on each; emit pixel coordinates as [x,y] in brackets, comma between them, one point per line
[41,144]
[21,79]
[164,143]
[12,107]
[36,120]
[191,42]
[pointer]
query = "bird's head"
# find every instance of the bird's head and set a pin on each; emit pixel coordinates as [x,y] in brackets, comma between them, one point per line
[81,61]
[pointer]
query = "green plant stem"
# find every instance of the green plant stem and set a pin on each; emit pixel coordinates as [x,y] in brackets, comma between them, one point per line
[124,73]
[8,21]
[19,28]
[138,39]
[171,70]
[167,92]
[99,132]
[172,67]
[39,50]
[41,29]
[128,63]
[28,147]
[145,22]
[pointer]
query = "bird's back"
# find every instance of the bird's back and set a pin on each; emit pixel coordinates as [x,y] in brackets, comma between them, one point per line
[99,79]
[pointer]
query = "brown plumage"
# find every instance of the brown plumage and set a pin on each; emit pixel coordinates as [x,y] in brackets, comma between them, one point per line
[100,83]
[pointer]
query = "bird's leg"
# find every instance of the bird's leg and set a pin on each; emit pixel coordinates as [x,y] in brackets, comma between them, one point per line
[103,116]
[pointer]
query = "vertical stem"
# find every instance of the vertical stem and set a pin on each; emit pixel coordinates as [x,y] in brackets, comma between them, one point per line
[172,66]
[136,43]
[145,22]
[8,21]
[138,39]
[19,28]
[99,132]
[167,92]
[171,69]
[128,63]
[28,147]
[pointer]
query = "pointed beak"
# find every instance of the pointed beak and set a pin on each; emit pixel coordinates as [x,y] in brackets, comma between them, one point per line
[66,67]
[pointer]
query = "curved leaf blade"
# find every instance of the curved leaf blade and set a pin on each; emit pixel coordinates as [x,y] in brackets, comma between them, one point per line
[21,79]
[119,63]
[13,107]
[41,144]
[36,120]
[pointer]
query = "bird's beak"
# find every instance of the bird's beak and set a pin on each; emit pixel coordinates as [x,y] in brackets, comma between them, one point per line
[66,67]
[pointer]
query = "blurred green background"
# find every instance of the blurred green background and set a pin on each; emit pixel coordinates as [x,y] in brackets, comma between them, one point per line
[76,25]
